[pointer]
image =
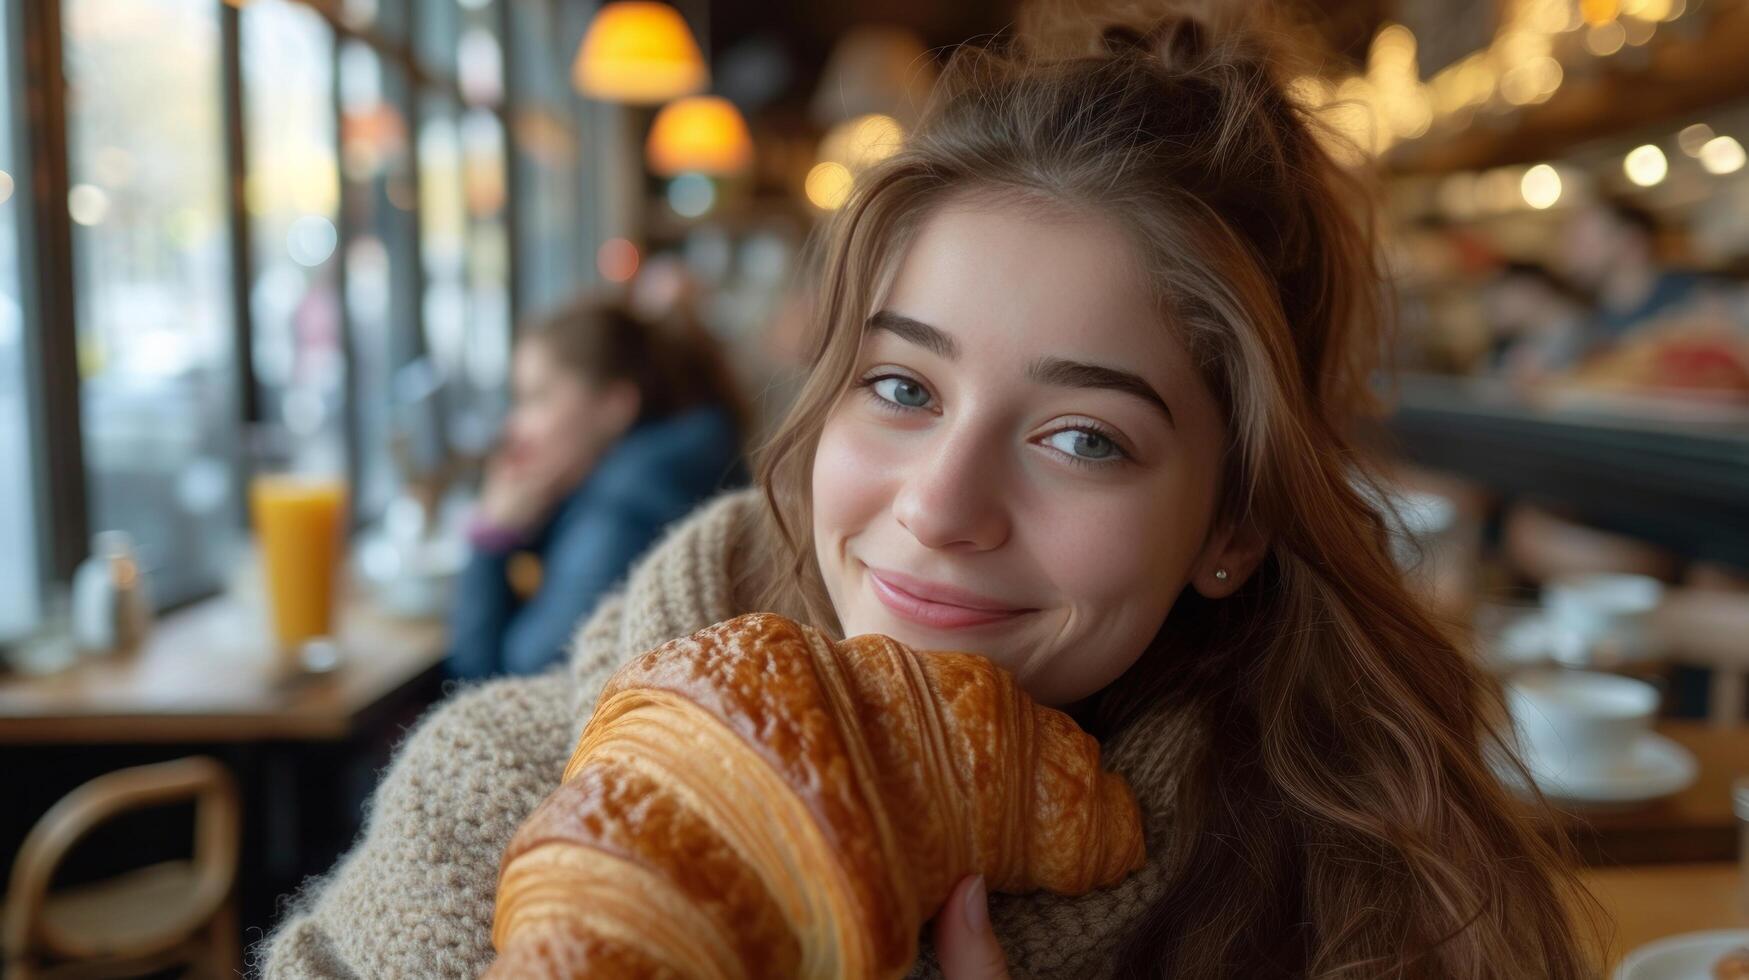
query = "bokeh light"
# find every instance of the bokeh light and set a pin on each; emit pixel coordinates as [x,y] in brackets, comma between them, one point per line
[617,260]
[1722,155]
[1646,165]
[828,185]
[1541,186]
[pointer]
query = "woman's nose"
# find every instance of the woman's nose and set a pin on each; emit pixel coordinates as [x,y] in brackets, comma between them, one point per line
[951,496]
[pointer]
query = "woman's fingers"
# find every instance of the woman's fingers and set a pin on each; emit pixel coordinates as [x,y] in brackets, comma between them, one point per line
[964,941]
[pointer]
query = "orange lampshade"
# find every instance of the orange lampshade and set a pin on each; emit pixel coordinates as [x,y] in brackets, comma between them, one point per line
[638,52]
[703,133]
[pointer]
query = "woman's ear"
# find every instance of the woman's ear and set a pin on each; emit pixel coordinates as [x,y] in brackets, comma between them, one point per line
[1232,555]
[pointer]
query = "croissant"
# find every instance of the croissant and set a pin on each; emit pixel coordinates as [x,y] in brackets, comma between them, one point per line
[756,801]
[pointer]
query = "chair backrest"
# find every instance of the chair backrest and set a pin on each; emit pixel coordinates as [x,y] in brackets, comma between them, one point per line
[217,819]
[1541,545]
[1708,628]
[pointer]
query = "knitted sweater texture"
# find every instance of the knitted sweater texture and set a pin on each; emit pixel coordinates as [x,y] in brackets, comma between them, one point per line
[413,897]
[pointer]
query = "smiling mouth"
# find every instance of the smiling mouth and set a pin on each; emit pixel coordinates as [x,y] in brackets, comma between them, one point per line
[939,615]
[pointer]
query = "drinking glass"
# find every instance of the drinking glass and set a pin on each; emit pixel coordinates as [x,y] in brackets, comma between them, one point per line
[299,514]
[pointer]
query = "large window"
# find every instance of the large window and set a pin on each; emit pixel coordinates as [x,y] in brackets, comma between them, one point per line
[387,18]
[439,24]
[292,190]
[487,274]
[466,311]
[442,232]
[18,580]
[543,122]
[330,248]
[151,272]
[381,253]
[479,68]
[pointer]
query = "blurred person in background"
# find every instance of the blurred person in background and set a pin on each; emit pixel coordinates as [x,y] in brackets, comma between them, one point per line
[1538,320]
[619,425]
[1656,329]
[1611,250]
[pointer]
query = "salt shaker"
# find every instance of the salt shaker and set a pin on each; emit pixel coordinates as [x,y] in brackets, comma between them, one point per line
[112,603]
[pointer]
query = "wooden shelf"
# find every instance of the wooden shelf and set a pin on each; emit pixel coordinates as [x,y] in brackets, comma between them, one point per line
[1684,74]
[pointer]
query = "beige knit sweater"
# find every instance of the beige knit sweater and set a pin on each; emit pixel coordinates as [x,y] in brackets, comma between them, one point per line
[414,896]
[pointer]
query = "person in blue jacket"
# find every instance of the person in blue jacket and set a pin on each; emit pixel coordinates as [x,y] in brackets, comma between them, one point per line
[618,427]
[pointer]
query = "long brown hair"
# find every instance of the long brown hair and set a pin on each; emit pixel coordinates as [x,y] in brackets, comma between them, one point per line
[1340,818]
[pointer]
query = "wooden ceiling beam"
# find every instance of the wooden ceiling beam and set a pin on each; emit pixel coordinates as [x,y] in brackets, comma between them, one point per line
[1685,75]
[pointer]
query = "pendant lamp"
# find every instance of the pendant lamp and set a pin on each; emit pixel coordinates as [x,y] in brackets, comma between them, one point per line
[640,53]
[699,134]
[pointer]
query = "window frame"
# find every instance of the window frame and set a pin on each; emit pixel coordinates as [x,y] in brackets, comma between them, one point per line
[46,266]
[60,494]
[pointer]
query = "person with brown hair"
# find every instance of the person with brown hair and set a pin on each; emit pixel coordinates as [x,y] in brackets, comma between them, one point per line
[1613,248]
[1087,352]
[619,426]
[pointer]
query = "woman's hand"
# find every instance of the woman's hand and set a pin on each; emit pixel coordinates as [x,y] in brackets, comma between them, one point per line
[517,492]
[964,942]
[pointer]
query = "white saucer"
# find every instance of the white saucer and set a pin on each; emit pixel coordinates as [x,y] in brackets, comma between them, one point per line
[1655,768]
[1535,639]
[1689,956]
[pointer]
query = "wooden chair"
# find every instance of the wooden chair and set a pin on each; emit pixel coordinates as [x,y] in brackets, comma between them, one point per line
[1541,545]
[147,919]
[1710,628]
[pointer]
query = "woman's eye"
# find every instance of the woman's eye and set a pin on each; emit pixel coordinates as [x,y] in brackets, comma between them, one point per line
[901,391]
[1084,444]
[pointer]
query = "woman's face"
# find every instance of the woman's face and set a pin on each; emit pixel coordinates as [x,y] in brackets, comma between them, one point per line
[559,422]
[1025,443]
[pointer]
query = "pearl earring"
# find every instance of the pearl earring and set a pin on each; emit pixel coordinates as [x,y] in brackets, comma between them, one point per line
[1221,574]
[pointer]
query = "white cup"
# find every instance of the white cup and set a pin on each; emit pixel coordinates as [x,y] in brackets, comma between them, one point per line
[1576,723]
[1604,618]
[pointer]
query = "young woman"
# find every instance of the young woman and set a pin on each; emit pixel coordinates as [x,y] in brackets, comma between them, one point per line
[619,427]
[1087,351]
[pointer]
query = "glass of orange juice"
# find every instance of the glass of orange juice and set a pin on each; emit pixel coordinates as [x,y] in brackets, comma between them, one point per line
[300,527]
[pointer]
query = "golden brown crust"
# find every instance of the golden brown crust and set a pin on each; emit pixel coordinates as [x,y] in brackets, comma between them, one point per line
[564,951]
[757,801]
[625,813]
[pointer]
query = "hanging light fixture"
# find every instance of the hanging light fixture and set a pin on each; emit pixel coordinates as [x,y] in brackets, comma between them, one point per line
[639,52]
[699,134]
[874,69]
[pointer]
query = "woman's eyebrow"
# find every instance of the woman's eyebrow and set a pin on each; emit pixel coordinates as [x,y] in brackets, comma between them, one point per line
[917,332]
[1046,370]
[1078,374]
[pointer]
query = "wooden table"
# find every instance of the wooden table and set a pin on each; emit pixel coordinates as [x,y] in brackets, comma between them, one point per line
[305,752]
[1645,903]
[208,674]
[1696,825]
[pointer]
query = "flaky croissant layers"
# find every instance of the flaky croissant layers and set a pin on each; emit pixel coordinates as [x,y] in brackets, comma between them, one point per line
[756,801]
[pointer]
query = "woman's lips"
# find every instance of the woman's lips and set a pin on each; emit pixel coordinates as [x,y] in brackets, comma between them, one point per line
[941,615]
